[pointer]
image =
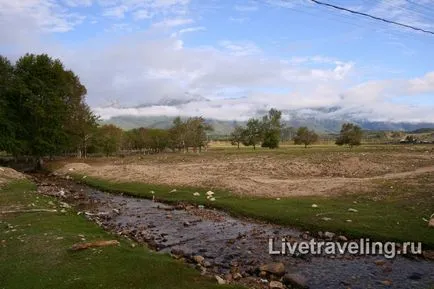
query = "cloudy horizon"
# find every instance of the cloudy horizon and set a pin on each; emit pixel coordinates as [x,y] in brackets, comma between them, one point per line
[233,58]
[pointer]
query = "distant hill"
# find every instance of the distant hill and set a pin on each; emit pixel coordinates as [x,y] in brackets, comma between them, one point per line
[224,127]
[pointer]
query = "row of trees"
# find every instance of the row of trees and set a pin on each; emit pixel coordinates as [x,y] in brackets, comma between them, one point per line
[43,113]
[266,132]
[350,135]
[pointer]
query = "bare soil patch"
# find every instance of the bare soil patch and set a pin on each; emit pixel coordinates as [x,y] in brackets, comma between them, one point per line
[8,174]
[273,175]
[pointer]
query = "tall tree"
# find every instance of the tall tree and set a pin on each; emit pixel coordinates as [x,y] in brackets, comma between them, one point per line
[271,129]
[350,135]
[237,136]
[252,133]
[43,105]
[7,124]
[108,139]
[305,136]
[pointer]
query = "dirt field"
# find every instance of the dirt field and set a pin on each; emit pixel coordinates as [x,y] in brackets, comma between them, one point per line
[280,173]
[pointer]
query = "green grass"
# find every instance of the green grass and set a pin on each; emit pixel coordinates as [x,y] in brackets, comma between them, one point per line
[36,254]
[394,211]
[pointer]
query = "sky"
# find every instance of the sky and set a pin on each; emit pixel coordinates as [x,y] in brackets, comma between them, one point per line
[230,59]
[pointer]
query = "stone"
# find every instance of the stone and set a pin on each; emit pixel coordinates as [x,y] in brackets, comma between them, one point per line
[295,281]
[212,199]
[277,269]
[342,238]
[415,276]
[326,218]
[209,193]
[228,278]
[329,235]
[220,280]
[276,285]
[352,210]
[386,282]
[314,206]
[206,264]
[173,191]
[187,224]
[431,223]
[196,194]
[380,262]
[237,276]
[198,259]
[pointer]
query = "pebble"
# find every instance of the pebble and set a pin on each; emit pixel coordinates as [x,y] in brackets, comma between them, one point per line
[220,280]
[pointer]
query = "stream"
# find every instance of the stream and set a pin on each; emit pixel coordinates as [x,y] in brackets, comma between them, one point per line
[232,248]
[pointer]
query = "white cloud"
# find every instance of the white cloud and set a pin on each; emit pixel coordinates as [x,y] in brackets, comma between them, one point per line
[45,15]
[240,48]
[169,23]
[116,11]
[246,8]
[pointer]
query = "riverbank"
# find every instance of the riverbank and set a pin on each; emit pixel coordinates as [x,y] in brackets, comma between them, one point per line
[36,242]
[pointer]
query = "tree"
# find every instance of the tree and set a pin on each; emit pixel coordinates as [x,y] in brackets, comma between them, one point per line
[350,135]
[252,133]
[271,129]
[42,108]
[178,133]
[196,135]
[108,139]
[7,125]
[305,136]
[189,133]
[237,136]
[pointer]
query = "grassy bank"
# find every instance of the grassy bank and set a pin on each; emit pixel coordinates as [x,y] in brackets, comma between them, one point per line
[34,251]
[394,211]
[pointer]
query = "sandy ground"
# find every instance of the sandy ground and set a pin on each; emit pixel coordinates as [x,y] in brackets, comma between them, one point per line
[8,174]
[270,175]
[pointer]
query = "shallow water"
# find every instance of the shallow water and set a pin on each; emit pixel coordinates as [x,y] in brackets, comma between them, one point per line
[231,244]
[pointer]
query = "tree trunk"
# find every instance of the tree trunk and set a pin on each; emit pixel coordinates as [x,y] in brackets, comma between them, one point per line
[238,145]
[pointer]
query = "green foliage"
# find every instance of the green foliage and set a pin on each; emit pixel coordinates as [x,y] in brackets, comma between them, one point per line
[237,136]
[189,133]
[7,126]
[350,135]
[271,129]
[41,107]
[305,136]
[252,134]
[108,139]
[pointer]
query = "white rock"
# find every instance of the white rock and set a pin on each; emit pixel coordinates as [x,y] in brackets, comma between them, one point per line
[173,191]
[278,199]
[84,177]
[212,199]
[326,218]
[431,223]
[352,210]
[220,280]
[349,221]
[314,206]
[209,193]
[196,194]
[276,285]
[152,192]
